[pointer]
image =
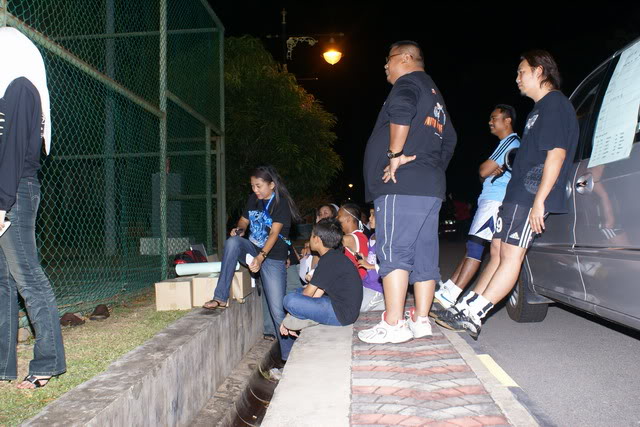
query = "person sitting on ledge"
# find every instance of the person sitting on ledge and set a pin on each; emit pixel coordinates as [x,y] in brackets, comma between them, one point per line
[354,240]
[335,293]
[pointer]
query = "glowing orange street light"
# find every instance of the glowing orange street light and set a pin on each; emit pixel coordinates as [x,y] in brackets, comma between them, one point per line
[332,55]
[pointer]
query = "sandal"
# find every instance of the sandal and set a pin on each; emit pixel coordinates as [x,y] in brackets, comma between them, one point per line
[215,305]
[37,382]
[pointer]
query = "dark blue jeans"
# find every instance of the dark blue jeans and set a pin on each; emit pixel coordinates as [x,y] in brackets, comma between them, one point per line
[273,274]
[20,271]
[316,309]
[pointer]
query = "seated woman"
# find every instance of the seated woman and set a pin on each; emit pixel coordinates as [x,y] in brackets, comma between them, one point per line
[268,213]
[354,241]
[372,293]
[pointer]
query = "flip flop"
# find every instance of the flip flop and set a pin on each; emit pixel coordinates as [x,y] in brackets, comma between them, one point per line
[215,305]
[37,382]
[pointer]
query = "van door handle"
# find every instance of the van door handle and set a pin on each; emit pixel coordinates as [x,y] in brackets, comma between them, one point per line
[584,184]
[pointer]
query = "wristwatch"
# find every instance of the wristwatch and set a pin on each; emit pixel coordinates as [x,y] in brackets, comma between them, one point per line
[392,155]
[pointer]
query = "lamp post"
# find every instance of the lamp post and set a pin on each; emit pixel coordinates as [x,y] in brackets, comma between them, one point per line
[332,53]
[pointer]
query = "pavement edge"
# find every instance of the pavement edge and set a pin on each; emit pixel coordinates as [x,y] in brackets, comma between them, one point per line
[515,412]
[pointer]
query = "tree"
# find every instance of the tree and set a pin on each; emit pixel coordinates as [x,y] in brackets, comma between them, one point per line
[271,120]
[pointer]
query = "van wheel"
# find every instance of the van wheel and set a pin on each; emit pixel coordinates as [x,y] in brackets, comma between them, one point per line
[517,306]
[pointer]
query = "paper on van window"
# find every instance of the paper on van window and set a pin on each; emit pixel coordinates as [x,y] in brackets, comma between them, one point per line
[618,119]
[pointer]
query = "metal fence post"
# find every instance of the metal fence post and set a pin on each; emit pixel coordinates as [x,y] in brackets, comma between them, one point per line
[110,230]
[208,177]
[164,255]
[221,188]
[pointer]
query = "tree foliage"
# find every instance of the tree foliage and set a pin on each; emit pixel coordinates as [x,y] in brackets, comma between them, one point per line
[270,119]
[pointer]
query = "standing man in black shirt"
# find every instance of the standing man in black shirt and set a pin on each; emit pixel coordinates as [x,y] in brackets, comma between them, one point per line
[404,164]
[536,189]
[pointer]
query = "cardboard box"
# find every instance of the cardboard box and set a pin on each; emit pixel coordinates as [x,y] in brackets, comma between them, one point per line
[173,294]
[241,285]
[202,288]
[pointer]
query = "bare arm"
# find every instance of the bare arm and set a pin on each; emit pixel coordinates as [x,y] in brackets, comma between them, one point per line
[309,290]
[550,173]
[243,223]
[398,137]
[489,167]
[319,292]
[350,243]
[276,227]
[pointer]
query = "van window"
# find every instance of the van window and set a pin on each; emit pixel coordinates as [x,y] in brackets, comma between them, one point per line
[586,101]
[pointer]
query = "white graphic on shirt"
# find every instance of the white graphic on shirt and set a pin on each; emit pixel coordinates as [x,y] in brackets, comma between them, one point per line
[533,177]
[530,123]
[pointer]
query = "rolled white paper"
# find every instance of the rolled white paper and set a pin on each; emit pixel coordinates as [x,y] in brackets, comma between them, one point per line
[200,268]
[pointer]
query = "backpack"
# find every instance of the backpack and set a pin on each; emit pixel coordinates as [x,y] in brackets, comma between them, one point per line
[188,257]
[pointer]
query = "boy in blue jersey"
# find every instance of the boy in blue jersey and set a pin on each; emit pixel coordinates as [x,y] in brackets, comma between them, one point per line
[484,222]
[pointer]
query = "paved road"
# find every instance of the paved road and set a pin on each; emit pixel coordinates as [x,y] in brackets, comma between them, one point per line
[573,369]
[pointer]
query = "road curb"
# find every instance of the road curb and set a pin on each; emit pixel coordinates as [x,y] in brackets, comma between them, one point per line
[517,414]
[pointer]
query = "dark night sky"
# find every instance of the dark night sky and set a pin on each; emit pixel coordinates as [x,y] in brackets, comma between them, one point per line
[471,51]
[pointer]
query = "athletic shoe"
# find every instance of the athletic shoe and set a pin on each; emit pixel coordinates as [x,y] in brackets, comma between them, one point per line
[443,297]
[384,333]
[461,320]
[437,309]
[421,327]
[448,319]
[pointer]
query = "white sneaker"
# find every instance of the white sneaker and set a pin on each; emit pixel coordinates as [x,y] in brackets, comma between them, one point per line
[443,297]
[421,327]
[384,333]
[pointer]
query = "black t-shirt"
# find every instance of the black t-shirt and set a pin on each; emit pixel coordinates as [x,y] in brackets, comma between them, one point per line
[339,278]
[551,124]
[20,137]
[414,101]
[260,223]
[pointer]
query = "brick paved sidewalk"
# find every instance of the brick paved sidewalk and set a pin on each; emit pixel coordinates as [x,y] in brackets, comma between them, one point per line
[422,382]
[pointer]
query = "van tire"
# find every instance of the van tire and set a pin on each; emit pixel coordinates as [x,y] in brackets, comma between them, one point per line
[517,306]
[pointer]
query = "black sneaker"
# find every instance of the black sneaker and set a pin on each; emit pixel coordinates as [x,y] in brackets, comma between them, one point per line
[459,321]
[450,319]
[437,310]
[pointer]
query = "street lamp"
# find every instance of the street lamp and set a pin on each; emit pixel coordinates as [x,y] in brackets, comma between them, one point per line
[332,53]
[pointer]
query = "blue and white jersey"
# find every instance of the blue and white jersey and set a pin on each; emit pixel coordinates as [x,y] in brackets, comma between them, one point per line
[495,190]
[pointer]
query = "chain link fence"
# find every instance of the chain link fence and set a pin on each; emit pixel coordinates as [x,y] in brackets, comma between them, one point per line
[136,171]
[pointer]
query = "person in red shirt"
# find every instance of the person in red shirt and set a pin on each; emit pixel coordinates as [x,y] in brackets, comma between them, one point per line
[354,240]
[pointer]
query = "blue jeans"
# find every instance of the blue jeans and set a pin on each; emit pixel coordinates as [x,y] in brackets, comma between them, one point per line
[316,309]
[273,275]
[20,271]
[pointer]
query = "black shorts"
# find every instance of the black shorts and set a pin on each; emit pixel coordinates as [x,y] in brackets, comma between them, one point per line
[513,225]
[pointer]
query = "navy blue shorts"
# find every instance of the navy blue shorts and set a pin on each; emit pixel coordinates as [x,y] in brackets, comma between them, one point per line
[513,225]
[407,235]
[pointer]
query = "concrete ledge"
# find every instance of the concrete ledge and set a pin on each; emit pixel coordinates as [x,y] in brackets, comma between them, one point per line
[167,380]
[315,389]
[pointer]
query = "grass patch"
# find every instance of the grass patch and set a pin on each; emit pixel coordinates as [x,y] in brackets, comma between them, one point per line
[90,349]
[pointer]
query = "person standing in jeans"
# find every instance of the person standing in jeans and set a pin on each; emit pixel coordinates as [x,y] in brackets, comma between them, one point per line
[25,132]
[268,214]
